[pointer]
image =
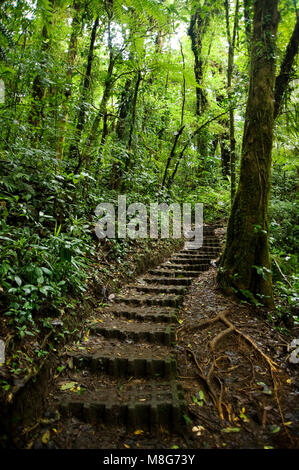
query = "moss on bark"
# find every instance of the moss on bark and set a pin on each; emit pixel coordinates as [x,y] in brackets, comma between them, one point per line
[247,235]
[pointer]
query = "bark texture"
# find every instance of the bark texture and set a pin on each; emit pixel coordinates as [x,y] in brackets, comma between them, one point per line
[247,234]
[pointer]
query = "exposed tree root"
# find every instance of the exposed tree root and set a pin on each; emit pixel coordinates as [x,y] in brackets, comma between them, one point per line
[217,398]
[273,366]
[207,379]
[219,337]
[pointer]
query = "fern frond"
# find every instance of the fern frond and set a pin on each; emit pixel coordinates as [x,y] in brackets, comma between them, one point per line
[144,10]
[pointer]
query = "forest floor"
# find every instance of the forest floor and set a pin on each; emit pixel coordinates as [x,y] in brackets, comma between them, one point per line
[241,391]
[251,387]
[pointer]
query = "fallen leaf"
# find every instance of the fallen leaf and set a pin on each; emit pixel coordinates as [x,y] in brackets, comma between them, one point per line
[229,429]
[68,385]
[139,431]
[46,437]
[274,428]
[70,363]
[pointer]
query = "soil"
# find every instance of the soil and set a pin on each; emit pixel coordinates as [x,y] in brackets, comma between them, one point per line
[240,390]
[256,402]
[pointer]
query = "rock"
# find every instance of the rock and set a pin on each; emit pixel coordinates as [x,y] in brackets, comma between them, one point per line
[294,347]
[2,352]
[294,357]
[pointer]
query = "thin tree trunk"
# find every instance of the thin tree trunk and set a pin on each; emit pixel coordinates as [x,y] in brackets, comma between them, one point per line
[183,86]
[74,149]
[285,74]
[171,156]
[39,89]
[182,152]
[225,152]
[245,264]
[102,112]
[247,22]
[72,54]
[231,51]
[195,33]
[133,120]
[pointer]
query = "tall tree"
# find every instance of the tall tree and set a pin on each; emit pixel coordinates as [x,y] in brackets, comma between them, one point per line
[74,148]
[196,30]
[245,264]
[71,57]
[231,39]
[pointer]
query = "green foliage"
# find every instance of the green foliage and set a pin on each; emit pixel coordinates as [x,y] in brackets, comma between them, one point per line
[47,199]
[284,244]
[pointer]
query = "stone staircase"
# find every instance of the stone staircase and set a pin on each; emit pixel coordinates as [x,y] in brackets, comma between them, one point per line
[124,371]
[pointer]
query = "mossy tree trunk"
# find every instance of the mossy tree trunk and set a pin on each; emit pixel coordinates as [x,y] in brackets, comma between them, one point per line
[231,39]
[245,264]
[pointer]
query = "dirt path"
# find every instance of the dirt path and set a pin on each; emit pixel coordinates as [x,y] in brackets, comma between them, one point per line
[148,372]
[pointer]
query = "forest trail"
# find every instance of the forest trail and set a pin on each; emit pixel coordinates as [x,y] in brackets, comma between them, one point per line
[170,362]
[124,370]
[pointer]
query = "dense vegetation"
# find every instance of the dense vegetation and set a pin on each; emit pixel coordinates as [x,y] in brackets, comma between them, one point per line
[145,98]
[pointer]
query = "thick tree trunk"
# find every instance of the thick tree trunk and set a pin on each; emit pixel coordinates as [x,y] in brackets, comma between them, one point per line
[245,264]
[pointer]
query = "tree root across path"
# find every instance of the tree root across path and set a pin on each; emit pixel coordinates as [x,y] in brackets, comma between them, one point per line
[210,379]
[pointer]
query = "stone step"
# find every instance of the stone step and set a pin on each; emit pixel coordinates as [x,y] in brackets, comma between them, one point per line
[199,252]
[205,244]
[170,300]
[178,290]
[129,360]
[190,260]
[205,238]
[153,314]
[134,331]
[207,253]
[186,267]
[178,273]
[182,281]
[146,406]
